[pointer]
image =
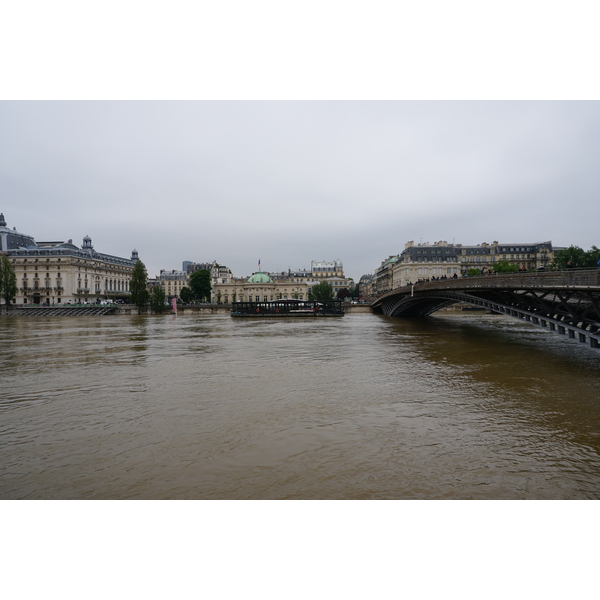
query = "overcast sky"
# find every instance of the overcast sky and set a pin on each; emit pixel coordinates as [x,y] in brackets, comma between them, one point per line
[290,182]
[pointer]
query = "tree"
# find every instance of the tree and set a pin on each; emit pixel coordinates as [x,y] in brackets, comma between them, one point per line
[200,284]
[185,294]
[137,286]
[321,292]
[343,293]
[157,299]
[593,257]
[505,267]
[8,281]
[579,258]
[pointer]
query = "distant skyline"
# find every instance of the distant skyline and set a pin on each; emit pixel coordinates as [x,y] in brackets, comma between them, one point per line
[288,182]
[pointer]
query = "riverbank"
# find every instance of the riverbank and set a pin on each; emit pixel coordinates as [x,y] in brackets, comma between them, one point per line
[131,309]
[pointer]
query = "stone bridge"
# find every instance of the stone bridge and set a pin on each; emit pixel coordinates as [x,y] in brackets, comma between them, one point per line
[564,302]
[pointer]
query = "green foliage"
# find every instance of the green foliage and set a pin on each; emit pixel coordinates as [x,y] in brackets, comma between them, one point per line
[137,286]
[8,281]
[186,294]
[219,296]
[505,267]
[580,259]
[200,284]
[593,256]
[473,272]
[157,299]
[321,292]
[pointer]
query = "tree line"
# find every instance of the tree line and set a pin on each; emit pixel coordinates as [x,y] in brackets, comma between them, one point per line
[579,258]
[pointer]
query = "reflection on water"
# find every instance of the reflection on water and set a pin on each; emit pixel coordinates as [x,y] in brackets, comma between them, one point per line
[450,406]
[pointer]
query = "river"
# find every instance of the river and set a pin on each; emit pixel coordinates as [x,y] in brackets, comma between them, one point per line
[453,406]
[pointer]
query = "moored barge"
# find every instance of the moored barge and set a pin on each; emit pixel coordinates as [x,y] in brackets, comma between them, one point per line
[288,308]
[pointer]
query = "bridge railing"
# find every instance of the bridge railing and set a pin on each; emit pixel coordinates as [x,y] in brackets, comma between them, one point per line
[588,278]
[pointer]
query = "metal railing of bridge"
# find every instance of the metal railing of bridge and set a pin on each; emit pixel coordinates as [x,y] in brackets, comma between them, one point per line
[583,278]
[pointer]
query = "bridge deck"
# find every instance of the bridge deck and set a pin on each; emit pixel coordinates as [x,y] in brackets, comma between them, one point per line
[565,302]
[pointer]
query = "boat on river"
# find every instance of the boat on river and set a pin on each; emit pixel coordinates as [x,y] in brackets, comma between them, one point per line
[288,308]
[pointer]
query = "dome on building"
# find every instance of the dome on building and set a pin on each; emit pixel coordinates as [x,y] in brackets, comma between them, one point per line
[260,277]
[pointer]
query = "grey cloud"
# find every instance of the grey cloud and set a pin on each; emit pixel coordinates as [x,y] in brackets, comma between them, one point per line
[288,182]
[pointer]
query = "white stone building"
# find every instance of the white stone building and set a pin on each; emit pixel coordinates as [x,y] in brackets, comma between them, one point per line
[61,273]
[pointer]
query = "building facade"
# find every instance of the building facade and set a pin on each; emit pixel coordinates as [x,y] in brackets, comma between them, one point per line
[367,287]
[261,287]
[172,282]
[324,270]
[266,287]
[441,259]
[384,275]
[62,273]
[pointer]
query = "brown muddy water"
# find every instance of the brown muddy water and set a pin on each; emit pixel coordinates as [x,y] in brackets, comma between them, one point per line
[452,406]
